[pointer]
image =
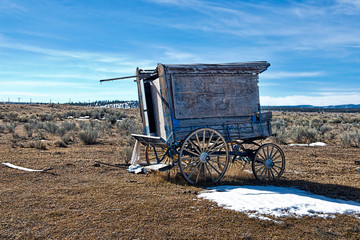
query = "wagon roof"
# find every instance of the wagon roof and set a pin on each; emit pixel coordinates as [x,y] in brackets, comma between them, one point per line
[227,68]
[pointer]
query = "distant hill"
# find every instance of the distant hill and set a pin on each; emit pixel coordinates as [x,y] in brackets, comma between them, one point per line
[310,108]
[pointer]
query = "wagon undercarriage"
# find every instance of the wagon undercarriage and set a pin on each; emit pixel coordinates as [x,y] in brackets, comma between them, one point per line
[205,155]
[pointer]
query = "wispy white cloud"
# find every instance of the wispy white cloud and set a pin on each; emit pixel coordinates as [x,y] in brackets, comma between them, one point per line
[171,54]
[348,6]
[303,26]
[6,5]
[100,57]
[327,99]
[43,84]
[278,75]
[23,94]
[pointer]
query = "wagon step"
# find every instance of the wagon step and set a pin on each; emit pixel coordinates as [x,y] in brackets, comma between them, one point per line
[150,140]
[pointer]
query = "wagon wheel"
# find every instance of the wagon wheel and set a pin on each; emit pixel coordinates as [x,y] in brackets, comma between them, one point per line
[201,154]
[268,163]
[156,155]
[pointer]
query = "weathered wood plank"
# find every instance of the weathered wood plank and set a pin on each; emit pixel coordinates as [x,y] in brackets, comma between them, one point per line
[227,68]
[198,96]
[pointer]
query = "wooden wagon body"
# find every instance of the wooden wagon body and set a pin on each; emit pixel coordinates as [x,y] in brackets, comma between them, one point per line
[206,117]
[177,99]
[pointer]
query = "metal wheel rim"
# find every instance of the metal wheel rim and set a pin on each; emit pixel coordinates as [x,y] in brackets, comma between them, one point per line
[268,163]
[201,154]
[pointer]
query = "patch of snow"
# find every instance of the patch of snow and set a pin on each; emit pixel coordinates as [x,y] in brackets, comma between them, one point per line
[83,118]
[20,168]
[248,171]
[263,201]
[136,169]
[156,167]
[316,144]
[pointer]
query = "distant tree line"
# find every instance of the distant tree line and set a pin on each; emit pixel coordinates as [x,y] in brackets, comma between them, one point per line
[339,109]
[131,104]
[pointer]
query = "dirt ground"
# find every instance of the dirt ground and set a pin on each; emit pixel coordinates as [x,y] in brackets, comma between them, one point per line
[79,199]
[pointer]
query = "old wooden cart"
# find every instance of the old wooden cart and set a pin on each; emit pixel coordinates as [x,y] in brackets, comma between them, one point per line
[203,117]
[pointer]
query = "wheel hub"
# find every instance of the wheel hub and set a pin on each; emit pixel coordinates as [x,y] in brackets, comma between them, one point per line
[269,163]
[204,157]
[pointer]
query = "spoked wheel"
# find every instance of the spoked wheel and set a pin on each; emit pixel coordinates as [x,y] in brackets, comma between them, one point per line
[268,163]
[204,156]
[154,155]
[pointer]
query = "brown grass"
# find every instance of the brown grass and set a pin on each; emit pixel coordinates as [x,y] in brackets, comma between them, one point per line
[83,200]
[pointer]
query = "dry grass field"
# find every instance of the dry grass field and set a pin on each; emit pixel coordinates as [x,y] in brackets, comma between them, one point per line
[79,199]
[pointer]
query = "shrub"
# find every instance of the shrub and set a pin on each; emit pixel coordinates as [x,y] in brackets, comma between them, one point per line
[68,126]
[106,127]
[38,145]
[279,124]
[28,129]
[125,154]
[61,144]
[325,128]
[13,116]
[129,125]
[11,127]
[23,119]
[51,127]
[280,136]
[89,136]
[302,134]
[84,125]
[350,139]
[67,138]
[316,123]
[2,128]
[46,117]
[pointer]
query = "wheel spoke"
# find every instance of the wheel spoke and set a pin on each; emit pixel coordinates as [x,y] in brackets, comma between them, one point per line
[220,147]
[264,153]
[263,172]
[276,157]
[207,167]
[214,168]
[191,164]
[197,139]
[217,162]
[277,161]
[192,172]
[195,147]
[189,151]
[260,155]
[272,174]
[277,173]
[275,152]
[209,141]
[277,166]
[214,145]
[263,167]
[199,170]
[204,140]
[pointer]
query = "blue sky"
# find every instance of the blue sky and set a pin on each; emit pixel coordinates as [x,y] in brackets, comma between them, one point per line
[58,50]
